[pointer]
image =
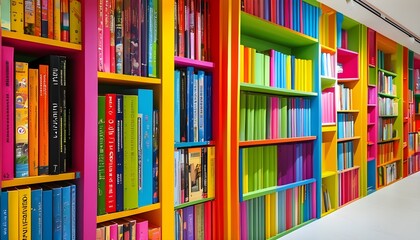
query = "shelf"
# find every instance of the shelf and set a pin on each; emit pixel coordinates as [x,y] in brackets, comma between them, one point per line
[326,174]
[249,87]
[346,53]
[388,116]
[371,159]
[327,82]
[127,213]
[371,85]
[193,144]
[348,111]
[329,128]
[386,95]
[348,139]
[370,143]
[261,29]
[186,62]
[116,78]
[348,169]
[187,204]
[387,73]
[371,105]
[329,211]
[389,140]
[327,49]
[275,141]
[36,44]
[39,179]
[269,190]
[346,80]
[291,229]
[389,162]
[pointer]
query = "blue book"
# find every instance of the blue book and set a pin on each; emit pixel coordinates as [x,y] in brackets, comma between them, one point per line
[145,121]
[47,214]
[66,212]
[177,109]
[281,14]
[267,9]
[4,235]
[195,108]
[209,108]
[36,223]
[73,211]
[120,153]
[57,213]
[190,104]
[201,109]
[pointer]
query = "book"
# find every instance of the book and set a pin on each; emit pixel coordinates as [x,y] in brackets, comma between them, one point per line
[65,20]
[5,14]
[154,232]
[7,107]
[36,205]
[57,212]
[25,213]
[47,213]
[17,16]
[195,174]
[75,30]
[44,18]
[119,53]
[38,17]
[101,156]
[29,23]
[43,105]
[110,152]
[4,216]
[120,146]
[57,20]
[66,212]
[13,210]
[33,122]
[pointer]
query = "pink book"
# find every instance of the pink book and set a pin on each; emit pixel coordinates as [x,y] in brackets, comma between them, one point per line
[287,13]
[142,229]
[313,200]
[272,68]
[100,35]
[7,108]
[113,231]
[275,116]
[107,36]
[244,225]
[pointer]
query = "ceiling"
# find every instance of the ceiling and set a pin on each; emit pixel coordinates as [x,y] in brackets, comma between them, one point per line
[402,12]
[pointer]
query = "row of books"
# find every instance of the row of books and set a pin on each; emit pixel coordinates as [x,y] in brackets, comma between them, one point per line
[193,105]
[345,155]
[381,59]
[127,151]
[345,97]
[385,153]
[129,228]
[194,174]
[386,129]
[328,65]
[326,199]
[275,69]
[194,222]
[372,95]
[54,19]
[388,106]
[388,174]
[413,164]
[325,25]
[386,84]
[36,136]
[342,36]
[280,211]
[416,78]
[192,29]
[267,117]
[39,212]
[414,142]
[348,186]
[128,37]
[345,125]
[328,105]
[294,14]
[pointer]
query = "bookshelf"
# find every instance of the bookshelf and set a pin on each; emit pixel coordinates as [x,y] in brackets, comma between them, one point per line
[411,157]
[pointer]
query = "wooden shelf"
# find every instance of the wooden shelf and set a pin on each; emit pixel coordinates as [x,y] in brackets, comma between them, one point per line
[193,144]
[387,73]
[39,179]
[329,127]
[389,162]
[275,141]
[348,139]
[184,205]
[186,62]
[348,111]
[327,49]
[116,78]
[127,213]
[386,95]
[346,80]
[348,169]
[249,87]
[389,140]
[326,174]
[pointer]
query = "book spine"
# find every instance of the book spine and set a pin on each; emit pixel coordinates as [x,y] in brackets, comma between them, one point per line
[66,212]
[7,121]
[145,111]
[54,115]
[57,213]
[29,27]
[5,15]
[110,151]
[36,205]
[101,155]
[47,217]
[57,20]
[107,36]
[4,216]
[75,21]
[44,18]
[134,34]
[65,21]
[153,45]
[211,155]
[38,17]
[119,53]
[17,15]
[155,159]
[126,36]
[209,109]
[33,122]
[119,153]
[100,20]
[130,152]
[177,106]
[183,107]
[112,35]
[21,120]
[50,17]
[25,213]
[43,165]
[204,172]
[190,104]
[144,40]
[195,108]
[64,130]
[13,211]
[201,102]
[73,211]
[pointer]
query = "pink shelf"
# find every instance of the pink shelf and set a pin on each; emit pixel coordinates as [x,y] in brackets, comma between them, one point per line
[349,61]
[186,62]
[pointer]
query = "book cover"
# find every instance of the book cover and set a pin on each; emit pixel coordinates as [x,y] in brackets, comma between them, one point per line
[29,23]
[21,121]
[100,22]
[126,37]
[199,222]
[190,104]
[65,21]
[177,106]
[211,158]
[120,143]
[17,16]
[135,38]
[57,212]
[119,53]
[24,205]
[4,216]
[57,20]
[65,119]
[6,106]
[36,212]
[195,174]
[101,156]
[43,164]
[188,213]
[107,36]
[131,167]
[44,18]
[110,153]
[47,213]
[50,18]
[195,108]
[100,233]
[155,164]
[144,6]
[13,210]
[112,35]
[208,80]
[183,107]
[144,121]
[38,17]
[66,212]
[33,122]
[75,21]
[201,104]
[73,205]
[142,227]
[5,15]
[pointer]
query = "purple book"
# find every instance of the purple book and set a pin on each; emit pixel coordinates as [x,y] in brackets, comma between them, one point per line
[188,215]
[244,225]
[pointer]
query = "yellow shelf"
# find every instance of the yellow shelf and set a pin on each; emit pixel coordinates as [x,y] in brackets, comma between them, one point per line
[348,139]
[327,49]
[348,111]
[115,78]
[326,174]
[116,215]
[38,179]
[329,127]
[329,211]
[16,37]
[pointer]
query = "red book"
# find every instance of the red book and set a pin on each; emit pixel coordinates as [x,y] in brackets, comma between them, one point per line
[207,221]
[100,35]
[112,36]
[110,151]
[181,29]
[50,15]
[43,164]
[273,11]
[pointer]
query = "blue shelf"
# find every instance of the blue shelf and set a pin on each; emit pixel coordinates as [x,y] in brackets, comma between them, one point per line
[193,144]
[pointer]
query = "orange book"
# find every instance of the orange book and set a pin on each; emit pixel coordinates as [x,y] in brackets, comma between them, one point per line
[33,122]
[50,19]
[43,120]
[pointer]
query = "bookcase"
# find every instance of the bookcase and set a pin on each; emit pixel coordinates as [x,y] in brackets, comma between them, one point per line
[411,157]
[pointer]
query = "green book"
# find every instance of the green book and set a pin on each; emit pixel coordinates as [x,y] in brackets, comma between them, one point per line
[249,156]
[130,175]
[263,116]
[283,117]
[274,160]
[242,115]
[101,155]
[259,159]
[259,69]
[250,117]
[266,165]
[257,122]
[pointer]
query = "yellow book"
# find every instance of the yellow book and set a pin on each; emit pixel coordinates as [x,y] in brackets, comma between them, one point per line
[75,21]
[310,74]
[13,210]
[245,170]
[33,122]
[24,217]
[297,74]
[16,8]
[253,58]
[288,72]
[29,17]
[241,57]
[273,212]
[57,20]
[210,174]
[268,219]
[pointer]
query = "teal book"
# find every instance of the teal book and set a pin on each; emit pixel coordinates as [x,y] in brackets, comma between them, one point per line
[47,214]
[101,156]
[5,15]
[36,221]
[66,212]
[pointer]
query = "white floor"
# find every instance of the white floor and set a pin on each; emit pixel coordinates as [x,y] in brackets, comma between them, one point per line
[392,213]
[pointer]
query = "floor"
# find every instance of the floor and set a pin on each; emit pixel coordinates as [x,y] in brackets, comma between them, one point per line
[392,213]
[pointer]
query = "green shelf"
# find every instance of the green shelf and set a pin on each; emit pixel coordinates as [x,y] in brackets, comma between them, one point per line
[327,82]
[386,95]
[184,205]
[387,73]
[249,87]
[291,229]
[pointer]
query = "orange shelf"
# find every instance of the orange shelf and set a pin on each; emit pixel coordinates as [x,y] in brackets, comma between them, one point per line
[117,215]
[38,179]
[275,141]
[389,162]
[116,78]
[348,139]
